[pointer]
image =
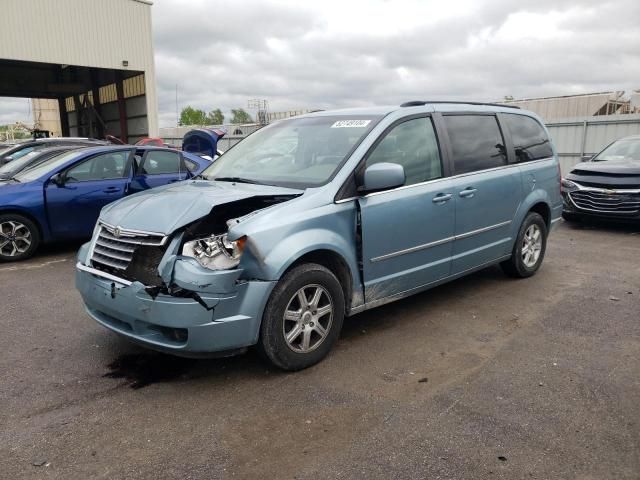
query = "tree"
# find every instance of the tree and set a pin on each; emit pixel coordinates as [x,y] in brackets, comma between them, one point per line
[215,117]
[240,116]
[191,116]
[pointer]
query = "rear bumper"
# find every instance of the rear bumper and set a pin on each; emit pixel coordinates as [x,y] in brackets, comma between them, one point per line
[177,325]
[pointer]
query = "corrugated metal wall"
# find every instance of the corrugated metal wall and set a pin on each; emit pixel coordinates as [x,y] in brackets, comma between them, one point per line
[575,137]
[92,33]
[552,108]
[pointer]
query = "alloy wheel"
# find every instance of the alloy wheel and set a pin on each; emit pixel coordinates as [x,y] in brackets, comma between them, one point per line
[308,318]
[15,238]
[531,245]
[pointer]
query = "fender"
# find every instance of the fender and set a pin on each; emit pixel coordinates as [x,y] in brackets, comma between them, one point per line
[299,244]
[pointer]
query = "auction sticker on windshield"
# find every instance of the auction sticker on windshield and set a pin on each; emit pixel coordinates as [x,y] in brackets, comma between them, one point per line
[351,123]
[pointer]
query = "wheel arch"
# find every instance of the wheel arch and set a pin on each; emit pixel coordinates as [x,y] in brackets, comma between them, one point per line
[544,210]
[335,263]
[537,201]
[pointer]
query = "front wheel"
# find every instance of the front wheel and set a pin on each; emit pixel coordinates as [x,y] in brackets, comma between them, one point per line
[303,317]
[529,249]
[19,237]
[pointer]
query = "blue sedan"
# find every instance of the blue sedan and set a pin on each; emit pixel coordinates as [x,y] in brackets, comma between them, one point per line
[62,198]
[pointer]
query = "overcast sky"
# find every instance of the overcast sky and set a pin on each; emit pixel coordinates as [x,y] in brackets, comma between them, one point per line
[331,53]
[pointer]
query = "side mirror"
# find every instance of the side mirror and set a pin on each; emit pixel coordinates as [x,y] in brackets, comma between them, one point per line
[8,159]
[57,179]
[382,176]
[586,158]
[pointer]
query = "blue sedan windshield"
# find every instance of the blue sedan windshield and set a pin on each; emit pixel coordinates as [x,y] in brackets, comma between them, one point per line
[41,169]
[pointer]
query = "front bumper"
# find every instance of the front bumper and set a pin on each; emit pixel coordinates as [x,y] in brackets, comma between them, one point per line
[182,326]
[569,207]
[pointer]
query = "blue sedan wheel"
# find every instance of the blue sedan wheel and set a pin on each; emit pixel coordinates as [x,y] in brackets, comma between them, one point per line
[19,237]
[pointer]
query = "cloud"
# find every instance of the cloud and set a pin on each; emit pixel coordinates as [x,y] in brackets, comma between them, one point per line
[339,53]
[15,110]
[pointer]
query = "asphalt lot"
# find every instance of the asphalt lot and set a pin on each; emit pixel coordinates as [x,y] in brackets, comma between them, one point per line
[485,377]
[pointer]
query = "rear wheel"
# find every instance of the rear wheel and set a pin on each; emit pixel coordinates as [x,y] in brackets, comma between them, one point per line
[19,237]
[528,251]
[303,318]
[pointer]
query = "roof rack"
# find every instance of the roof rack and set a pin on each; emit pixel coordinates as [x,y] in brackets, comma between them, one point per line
[419,103]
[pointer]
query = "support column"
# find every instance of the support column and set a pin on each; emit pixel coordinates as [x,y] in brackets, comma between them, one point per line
[64,117]
[79,127]
[122,109]
[95,92]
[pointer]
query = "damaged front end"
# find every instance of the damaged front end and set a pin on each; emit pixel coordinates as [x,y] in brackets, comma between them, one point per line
[183,291]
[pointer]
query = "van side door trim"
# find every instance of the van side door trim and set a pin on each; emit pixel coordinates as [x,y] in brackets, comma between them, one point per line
[439,242]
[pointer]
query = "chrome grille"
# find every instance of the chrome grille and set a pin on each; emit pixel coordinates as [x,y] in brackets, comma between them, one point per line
[615,201]
[114,247]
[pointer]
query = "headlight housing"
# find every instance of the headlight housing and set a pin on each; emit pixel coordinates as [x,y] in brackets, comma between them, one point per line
[568,185]
[216,252]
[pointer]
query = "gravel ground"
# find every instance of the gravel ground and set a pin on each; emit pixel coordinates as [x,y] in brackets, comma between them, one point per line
[485,377]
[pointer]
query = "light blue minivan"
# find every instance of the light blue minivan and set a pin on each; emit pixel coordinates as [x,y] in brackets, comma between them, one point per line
[319,217]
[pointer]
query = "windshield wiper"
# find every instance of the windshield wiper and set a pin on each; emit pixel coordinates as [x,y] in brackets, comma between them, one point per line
[237,180]
[12,178]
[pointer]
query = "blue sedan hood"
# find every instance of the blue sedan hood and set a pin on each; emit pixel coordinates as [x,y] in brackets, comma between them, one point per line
[165,209]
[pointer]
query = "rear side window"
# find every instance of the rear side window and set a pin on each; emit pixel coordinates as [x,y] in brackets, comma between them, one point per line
[530,141]
[157,162]
[413,145]
[476,142]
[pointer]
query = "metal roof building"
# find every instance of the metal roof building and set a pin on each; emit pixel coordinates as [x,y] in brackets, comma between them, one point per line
[589,104]
[94,57]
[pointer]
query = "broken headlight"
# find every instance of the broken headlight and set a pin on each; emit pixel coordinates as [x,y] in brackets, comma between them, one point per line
[216,252]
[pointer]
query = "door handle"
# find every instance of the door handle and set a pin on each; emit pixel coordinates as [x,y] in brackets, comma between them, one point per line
[441,198]
[468,192]
[111,190]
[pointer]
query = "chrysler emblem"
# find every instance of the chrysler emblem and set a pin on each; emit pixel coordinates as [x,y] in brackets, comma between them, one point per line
[116,232]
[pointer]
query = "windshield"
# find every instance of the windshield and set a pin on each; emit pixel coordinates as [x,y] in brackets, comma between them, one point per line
[10,168]
[297,153]
[43,168]
[620,150]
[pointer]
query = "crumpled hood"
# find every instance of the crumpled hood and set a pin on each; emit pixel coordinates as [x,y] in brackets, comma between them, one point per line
[165,209]
[620,167]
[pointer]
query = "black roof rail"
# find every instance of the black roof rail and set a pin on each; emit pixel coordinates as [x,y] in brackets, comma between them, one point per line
[419,103]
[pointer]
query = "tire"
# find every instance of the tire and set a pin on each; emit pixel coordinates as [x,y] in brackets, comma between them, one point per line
[571,217]
[523,264]
[19,237]
[305,319]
